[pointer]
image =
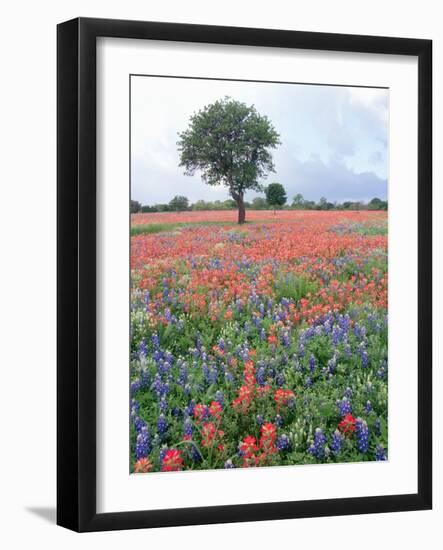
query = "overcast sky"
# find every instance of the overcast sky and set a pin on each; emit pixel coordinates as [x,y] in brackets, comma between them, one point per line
[334,140]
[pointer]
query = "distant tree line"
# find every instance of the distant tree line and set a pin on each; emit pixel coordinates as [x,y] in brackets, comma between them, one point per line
[275,198]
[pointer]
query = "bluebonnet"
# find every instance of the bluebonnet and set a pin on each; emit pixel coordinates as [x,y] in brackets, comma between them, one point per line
[382,371]
[285,339]
[229,377]
[143,443]
[312,363]
[183,375]
[317,448]
[261,376]
[139,423]
[228,464]
[259,419]
[187,428]
[362,432]
[283,443]
[377,426]
[344,406]
[136,385]
[280,379]
[162,425]
[364,359]
[135,407]
[278,420]
[308,382]
[143,348]
[348,392]
[380,453]
[337,442]
[220,398]
[189,410]
[195,454]
[155,341]
[368,407]
[163,405]
[332,364]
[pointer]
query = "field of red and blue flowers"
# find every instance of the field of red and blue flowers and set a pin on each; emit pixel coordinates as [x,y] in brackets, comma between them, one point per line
[258,345]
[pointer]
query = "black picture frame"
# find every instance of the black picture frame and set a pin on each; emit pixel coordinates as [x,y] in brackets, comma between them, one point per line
[76,279]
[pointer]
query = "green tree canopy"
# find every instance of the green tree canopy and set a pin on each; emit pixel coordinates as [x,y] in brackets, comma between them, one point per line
[298,201]
[259,203]
[229,144]
[135,207]
[179,203]
[275,194]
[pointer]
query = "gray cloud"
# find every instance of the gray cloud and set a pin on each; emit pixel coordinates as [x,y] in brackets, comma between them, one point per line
[334,139]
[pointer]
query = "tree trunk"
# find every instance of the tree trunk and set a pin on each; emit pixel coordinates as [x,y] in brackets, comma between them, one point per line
[239,199]
[241,210]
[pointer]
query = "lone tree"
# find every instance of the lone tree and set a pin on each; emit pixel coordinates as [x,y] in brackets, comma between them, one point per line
[275,195]
[229,143]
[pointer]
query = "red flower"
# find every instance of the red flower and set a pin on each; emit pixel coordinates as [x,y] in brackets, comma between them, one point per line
[284,397]
[347,425]
[208,434]
[200,411]
[244,399]
[268,436]
[215,409]
[272,339]
[172,461]
[143,466]
[248,446]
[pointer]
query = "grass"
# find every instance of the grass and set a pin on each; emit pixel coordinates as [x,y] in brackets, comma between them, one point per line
[150,228]
[362,229]
[289,285]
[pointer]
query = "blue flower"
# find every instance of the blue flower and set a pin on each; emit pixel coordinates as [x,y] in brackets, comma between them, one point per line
[380,453]
[143,443]
[162,425]
[163,405]
[362,432]
[317,447]
[344,406]
[312,363]
[283,443]
[337,442]
[220,398]
[187,428]
[278,420]
[377,426]
[155,341]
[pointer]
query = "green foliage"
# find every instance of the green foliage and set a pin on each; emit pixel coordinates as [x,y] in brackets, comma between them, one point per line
[275,194]
[151,228]
[229,144]
[298,201]
[292,286]
[259,203]
[179,203]
[135,207]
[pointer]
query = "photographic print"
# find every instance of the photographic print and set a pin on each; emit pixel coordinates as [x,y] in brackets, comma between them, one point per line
[259,257]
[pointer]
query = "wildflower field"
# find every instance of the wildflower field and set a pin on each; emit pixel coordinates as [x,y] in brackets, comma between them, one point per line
[263,344]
